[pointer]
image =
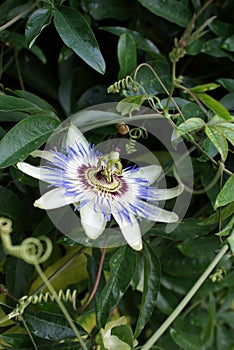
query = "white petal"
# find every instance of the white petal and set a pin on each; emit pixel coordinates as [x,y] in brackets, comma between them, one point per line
[43,154]
[157,214]
[53,199]
[150,173]
[75,136]
[169,193]
[30,170]
[93,223]
[130,230]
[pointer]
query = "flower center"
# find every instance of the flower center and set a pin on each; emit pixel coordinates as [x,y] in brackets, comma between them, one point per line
[101,183]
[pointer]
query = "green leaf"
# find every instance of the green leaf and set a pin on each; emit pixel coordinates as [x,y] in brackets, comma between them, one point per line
[151,288]
[12,116]
[228,103]
[204,87]
[78,36]
[36,100]
[222,29]
[176,264]
[215,106]
[10,205]
[122,268]
[18,41]
[227,83]
[26,136]
[141,42]
[102,9]
[223,336]
[227,229]
[191,110]
[228,44]
[186,340]
[124,333]
[228,318]
[230,241]
[146,77]
[189,125]
[50,326]
[130,104]
[228,130]
[213,48]
[226,195]
[186,229]
[178,13]
[208,175]
[208,333]
[92,269]
[166,300]
[36,23]
[126,55]
[18,286]
[202,246]
[16,340]
[218,139]
[224,214]
[12,103]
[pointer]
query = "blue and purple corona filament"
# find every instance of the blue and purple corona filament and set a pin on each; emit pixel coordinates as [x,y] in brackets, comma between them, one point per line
[100,189]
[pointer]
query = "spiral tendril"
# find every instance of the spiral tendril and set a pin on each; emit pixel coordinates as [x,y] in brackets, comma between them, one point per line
[123,84]
[66,296]
[32,250]
[35,251]
[135,133]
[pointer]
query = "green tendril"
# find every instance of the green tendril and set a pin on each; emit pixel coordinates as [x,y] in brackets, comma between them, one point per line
[135,134]
[35,251]
[124,84]
[32,250]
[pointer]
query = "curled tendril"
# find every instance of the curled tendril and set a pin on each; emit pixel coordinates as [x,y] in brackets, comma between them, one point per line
[123,84]
[66,296]
[135,133]
[35,251]
[32,250]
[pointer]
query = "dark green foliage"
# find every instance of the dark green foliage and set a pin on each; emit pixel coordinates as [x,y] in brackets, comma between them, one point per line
[176,57]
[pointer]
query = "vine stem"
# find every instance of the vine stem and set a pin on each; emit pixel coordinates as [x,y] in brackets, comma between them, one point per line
[60,304]
[91,296]
[20,15]
[148,345]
